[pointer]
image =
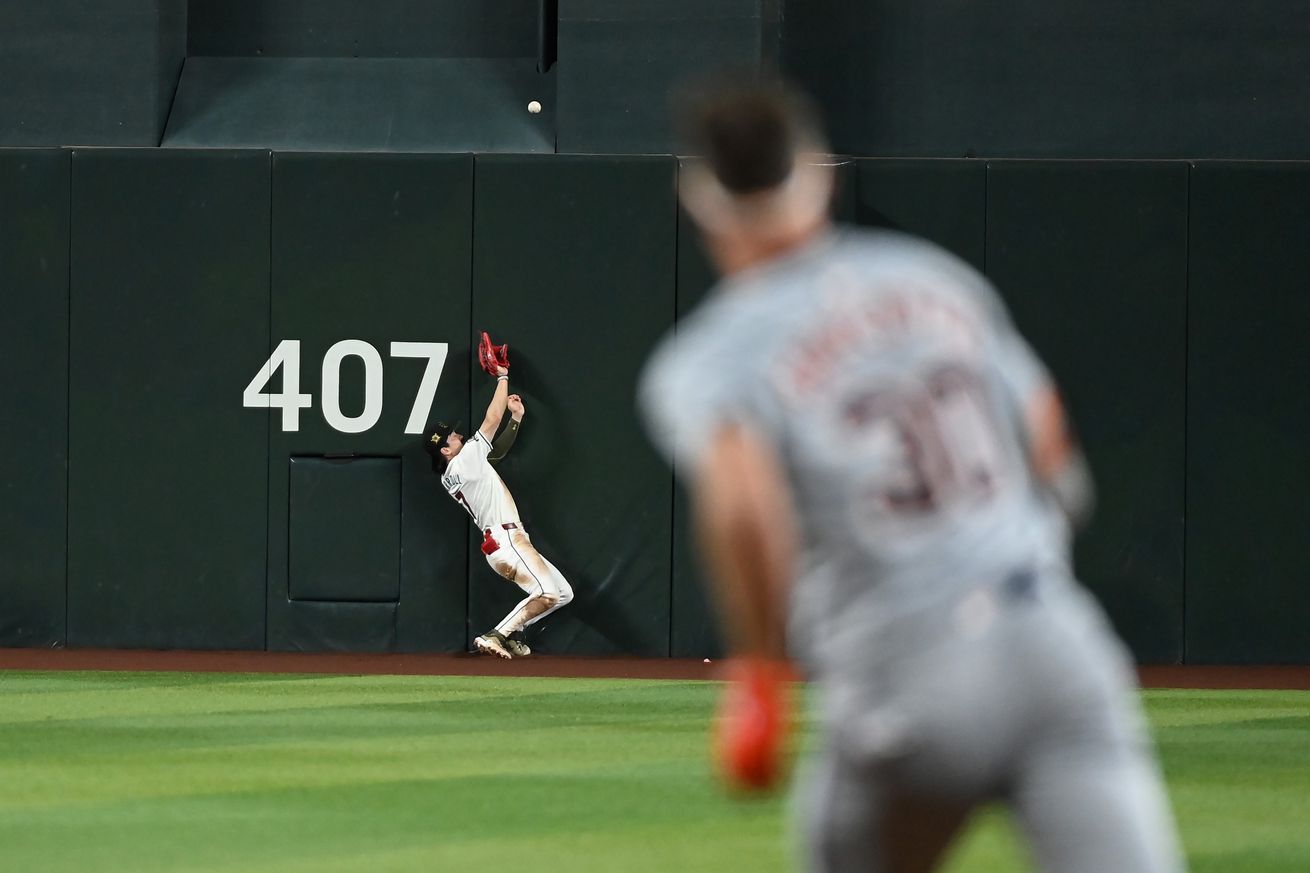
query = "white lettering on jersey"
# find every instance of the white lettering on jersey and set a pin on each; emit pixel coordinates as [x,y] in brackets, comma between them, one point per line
[858,323]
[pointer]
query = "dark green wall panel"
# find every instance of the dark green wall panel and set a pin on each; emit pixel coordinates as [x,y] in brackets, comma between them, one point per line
[1092,260]
[373,248]
[33,396]
[941,200]
[694,624]
[574,263]
[1248,459]
[319,625]
[167,473]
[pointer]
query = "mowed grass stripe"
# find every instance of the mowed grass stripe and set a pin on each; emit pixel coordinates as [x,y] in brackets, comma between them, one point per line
[221,772]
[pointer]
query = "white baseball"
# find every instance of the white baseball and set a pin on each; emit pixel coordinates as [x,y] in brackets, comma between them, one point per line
[534,107]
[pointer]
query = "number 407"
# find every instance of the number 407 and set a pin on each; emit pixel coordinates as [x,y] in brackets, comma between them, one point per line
[291,401]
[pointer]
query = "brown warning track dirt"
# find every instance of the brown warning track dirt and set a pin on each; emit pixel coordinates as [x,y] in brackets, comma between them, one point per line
[353,664]
[1289,677]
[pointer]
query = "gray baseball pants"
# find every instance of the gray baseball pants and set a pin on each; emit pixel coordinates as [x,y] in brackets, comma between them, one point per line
[1028,699]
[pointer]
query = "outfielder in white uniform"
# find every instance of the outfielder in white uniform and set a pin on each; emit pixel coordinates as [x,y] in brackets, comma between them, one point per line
[469,478]
[883,484]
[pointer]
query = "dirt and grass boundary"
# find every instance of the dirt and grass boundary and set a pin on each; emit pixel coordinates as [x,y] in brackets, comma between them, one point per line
[1180,676]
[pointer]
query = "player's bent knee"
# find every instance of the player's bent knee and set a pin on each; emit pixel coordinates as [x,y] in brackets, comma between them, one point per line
[565,593]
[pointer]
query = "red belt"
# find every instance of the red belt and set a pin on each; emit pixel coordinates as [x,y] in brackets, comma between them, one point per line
[511,526]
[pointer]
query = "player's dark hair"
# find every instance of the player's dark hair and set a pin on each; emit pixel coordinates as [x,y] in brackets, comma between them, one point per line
[748,130]
[433,442]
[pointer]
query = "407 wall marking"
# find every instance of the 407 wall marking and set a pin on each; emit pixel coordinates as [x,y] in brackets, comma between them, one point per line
[291,400]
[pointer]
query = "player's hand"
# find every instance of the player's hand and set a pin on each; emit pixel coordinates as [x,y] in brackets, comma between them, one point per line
[515,405]
[493,358]
[753,724]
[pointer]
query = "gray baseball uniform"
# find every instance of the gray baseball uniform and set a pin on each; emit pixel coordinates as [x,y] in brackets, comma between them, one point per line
[956,658]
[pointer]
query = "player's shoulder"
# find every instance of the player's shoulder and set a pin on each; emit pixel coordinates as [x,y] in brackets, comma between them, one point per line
[474,454]
[716,343]
[729,334]
[893,250]
[891,259]
[692,372]
[670,371]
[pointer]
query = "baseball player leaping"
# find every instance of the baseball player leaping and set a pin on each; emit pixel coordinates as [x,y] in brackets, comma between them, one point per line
[468,477]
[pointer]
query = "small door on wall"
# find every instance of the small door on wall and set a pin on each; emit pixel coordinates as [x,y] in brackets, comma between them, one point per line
[344,527]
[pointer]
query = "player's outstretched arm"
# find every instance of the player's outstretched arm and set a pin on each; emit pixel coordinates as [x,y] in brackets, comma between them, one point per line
[500,448]
[745,523]
[1053,453]
[747,536]
[1055,456]
[496,409]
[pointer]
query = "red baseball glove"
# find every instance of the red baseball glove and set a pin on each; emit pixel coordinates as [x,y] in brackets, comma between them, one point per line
[754,721]
[491,357]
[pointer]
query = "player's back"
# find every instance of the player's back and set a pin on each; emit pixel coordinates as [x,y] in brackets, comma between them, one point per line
[889,379]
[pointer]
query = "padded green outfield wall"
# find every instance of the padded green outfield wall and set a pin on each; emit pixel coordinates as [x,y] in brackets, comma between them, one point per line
[219,364]
[33,396]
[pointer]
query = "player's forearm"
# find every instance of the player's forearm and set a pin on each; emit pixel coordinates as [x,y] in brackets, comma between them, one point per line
[500,448]
[1072,486]
[1056,458]
[747,580]
[496,409]
[747,538]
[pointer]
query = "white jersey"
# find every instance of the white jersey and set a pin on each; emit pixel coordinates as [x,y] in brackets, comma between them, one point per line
[474,484]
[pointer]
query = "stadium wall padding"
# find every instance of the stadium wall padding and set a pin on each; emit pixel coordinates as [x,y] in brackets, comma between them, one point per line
[941,200]
[1248,413]
[574,264]
[376,249]
[167,472]
[1091,258]
[693,625]
[147,506]
[34,215]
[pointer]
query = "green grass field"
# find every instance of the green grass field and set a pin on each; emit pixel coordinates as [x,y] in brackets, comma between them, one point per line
[208,772]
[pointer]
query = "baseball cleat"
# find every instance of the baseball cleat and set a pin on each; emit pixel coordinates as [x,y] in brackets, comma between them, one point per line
[517,648]
[492,643]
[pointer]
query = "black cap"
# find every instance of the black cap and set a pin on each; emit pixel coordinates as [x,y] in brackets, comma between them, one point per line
[433,442]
